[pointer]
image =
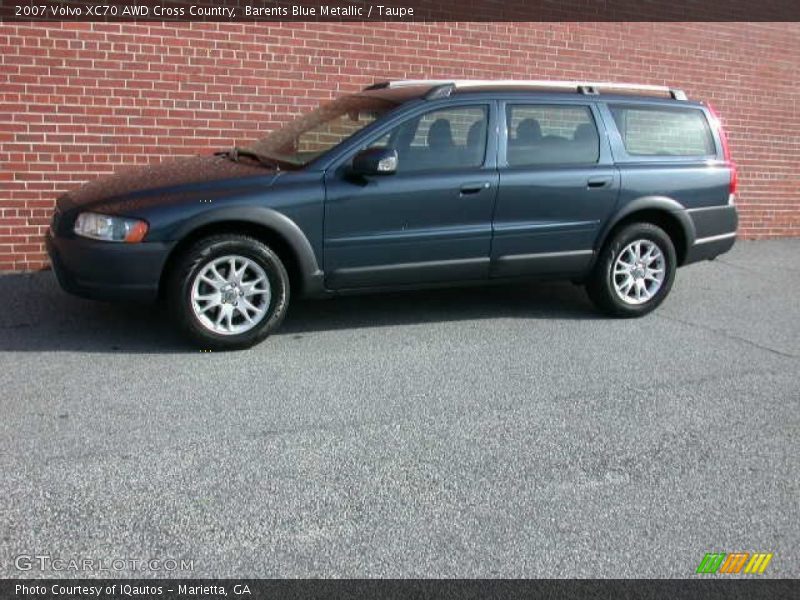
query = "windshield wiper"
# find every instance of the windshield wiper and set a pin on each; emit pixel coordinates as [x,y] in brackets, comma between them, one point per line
[235,152]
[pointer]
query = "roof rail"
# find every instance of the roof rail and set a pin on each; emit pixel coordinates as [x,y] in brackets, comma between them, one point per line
[581,87]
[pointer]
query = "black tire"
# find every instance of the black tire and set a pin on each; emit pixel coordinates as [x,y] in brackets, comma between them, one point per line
[190,263]
[600,285]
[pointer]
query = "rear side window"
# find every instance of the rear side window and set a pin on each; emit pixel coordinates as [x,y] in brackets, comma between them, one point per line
[655,131]
[540,134]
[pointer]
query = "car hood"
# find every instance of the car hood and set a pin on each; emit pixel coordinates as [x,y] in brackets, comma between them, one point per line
[165,178]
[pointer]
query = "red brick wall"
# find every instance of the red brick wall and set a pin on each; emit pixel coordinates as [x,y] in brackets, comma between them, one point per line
[83,99]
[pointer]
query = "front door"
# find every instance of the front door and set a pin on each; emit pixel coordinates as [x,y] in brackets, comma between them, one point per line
[558,185]
[431,220]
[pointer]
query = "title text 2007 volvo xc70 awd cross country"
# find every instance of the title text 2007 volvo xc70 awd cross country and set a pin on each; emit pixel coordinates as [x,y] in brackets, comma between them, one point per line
[409,184]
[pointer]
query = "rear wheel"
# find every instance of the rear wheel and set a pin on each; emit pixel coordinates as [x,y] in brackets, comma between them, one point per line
[634,272]
[228,292]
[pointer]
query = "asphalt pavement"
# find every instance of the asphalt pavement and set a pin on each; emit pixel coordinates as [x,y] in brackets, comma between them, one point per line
[481,432]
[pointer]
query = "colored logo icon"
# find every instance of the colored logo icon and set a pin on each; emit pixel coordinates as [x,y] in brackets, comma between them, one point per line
[734,563]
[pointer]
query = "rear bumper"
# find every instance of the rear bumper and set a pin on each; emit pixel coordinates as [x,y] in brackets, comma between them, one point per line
[108,271]
[715,232]
[709,248]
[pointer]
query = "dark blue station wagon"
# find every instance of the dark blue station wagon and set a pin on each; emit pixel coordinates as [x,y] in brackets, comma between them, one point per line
[410,184]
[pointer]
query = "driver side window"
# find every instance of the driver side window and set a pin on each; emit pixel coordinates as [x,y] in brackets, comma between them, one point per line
[443,139]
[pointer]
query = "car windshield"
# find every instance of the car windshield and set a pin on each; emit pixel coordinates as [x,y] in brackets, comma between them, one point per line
[300,141]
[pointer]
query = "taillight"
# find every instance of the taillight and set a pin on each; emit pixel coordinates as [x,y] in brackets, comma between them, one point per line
[726,154]
[734,179]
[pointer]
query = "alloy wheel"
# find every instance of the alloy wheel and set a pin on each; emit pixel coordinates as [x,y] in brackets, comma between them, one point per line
[230,295]
[639,272]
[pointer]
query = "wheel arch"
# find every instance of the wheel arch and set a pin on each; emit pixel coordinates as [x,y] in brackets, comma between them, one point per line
[274,229]
[666,213]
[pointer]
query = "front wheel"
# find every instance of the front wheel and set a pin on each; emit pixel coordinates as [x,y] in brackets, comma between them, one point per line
[634,272]
[228,292]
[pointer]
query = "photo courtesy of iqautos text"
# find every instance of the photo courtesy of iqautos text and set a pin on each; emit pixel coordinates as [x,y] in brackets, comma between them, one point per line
[312,299]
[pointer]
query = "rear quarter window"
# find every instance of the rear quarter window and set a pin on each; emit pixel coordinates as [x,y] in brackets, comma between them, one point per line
[656,131]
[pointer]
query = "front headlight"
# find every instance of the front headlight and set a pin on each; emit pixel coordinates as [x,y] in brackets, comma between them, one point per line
[110,229]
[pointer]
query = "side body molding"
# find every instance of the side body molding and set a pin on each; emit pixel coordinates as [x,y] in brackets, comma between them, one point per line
[279,223]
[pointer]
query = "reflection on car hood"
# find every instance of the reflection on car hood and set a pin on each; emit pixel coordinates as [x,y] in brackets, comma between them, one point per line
[161,177]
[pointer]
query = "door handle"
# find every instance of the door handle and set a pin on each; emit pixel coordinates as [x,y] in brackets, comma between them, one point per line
[475,187]
[598,182]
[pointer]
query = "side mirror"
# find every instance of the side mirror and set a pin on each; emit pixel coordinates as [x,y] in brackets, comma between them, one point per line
[375,161]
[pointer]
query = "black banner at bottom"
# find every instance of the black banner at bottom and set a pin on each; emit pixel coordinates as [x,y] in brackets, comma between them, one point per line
[390,589]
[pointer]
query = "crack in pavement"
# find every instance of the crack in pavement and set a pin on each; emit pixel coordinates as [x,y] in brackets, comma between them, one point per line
[726,334]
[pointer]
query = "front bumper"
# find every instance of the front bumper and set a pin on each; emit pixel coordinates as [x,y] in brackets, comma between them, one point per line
[108,271]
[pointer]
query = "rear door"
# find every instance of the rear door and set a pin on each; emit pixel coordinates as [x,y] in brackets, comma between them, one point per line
[558,186]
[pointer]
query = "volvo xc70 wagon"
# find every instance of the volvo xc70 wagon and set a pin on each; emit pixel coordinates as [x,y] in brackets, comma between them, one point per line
[410,184]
